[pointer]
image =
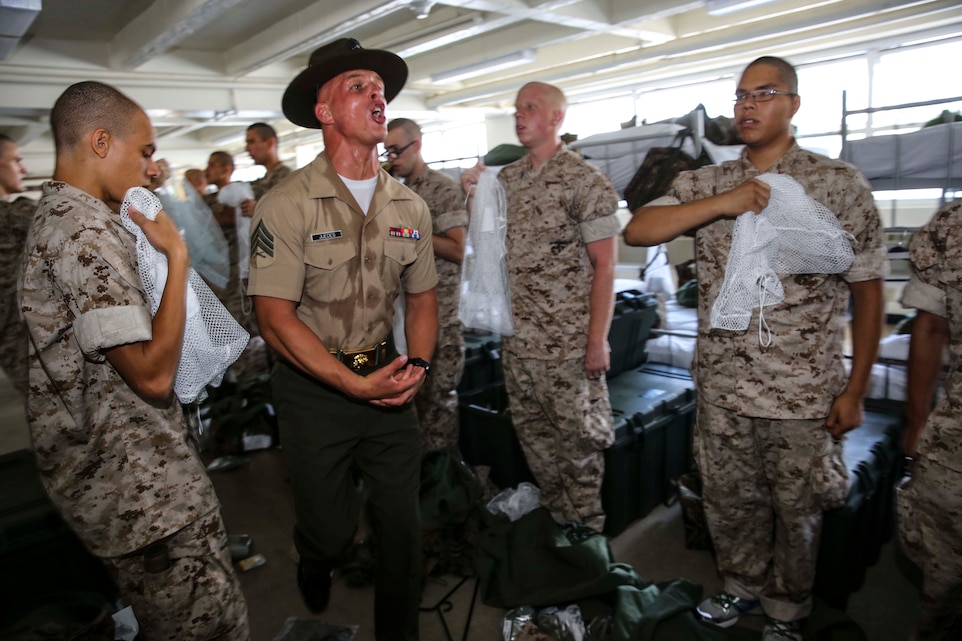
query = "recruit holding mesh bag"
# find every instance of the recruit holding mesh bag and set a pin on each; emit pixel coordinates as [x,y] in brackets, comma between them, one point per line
[794,234]
[485,298]
[212,338]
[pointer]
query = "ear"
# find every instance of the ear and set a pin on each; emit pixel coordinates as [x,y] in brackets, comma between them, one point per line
[100,141]
[557,117]
[796,103]
[323,113]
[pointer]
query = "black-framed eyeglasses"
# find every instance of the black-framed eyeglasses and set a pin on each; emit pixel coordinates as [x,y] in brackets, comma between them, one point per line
[761,95]
[394,152]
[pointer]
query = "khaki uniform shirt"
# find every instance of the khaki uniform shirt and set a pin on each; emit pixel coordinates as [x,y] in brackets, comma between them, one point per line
[936,287]
[15,220]
[270,180]
[312,244]
[121,471]
[445,201]
[554,211]
[801,373]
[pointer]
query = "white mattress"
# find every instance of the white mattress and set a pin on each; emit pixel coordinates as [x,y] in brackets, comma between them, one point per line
[910,161]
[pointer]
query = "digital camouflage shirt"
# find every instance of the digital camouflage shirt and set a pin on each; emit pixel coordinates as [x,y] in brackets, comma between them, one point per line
[445,201]
[270,180]
[121,471]
[799,375]
[15,220]
[936,287]
[554,211]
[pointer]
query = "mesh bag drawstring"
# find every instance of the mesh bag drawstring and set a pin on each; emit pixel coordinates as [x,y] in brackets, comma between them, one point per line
[794,234]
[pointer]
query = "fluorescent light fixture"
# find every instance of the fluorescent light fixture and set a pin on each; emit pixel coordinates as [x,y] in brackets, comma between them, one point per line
[491,65]
[724,7]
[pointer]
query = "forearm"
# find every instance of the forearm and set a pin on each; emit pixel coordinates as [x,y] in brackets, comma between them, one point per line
[601,304]
[448,248]
[866,333]
[421,324]
[929,337]
[657,224]
[295,342]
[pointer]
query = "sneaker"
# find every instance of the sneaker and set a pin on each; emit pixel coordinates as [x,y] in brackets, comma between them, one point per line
[776,630]
[724,609]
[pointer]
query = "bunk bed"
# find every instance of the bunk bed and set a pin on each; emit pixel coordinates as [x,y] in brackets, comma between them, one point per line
[930,157]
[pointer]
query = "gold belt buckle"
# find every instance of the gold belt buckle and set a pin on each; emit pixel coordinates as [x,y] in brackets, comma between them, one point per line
[359,361]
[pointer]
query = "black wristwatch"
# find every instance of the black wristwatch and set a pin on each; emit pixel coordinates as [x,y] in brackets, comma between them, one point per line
[420,362]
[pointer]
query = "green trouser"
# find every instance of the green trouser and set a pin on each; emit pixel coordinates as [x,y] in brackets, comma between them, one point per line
[329,439]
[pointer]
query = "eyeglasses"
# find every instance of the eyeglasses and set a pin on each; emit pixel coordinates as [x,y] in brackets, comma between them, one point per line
[394,152]
[761,95]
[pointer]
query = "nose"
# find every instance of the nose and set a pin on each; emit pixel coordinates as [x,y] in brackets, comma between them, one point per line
[152,169]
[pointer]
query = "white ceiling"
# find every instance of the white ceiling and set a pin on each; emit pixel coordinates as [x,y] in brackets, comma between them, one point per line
[205,69]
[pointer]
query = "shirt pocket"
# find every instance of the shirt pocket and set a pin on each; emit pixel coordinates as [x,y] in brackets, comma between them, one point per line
[401,251]
[327,271]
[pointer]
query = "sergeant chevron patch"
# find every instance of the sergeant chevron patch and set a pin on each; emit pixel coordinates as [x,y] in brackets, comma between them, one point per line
[262,241]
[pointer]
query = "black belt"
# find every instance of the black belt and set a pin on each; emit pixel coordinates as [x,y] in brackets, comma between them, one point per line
[368,359]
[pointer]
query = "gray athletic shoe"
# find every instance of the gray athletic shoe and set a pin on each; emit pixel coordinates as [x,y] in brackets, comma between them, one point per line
[776,630]
[723,609]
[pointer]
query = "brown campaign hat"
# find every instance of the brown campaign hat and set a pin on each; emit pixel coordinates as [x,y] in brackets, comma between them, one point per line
[330,60]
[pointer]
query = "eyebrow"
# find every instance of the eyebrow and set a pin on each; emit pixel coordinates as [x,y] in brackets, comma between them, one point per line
[768,85]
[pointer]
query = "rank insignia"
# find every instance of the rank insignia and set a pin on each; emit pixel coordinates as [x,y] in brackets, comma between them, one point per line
[262,241]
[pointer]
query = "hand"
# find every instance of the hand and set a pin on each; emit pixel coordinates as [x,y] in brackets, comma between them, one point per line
[845,415]
[247,207]
[752,195]
[163,234]
[392,385]
[469,178]
[597,360]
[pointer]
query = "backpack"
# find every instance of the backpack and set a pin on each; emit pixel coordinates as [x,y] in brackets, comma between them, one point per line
[658,170]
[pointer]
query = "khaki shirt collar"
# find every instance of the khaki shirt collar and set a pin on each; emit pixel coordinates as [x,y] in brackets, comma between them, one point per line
[325,183]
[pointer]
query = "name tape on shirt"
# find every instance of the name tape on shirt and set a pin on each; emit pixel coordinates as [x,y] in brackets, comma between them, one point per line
[326,235]
[404,232]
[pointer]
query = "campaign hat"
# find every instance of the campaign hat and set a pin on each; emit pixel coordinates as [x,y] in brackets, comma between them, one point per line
[334,58]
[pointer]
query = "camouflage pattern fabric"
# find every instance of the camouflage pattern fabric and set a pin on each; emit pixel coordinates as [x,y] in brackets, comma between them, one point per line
[930,532]
[183,588]
[254,360]
[554,211]
[437,400]
[270,180]
[121,471]
[801,372]
[751,469]
[15,218]
[930,508]
[563,421]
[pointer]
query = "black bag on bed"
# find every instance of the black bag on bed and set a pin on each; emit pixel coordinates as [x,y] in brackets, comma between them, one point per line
[658,170]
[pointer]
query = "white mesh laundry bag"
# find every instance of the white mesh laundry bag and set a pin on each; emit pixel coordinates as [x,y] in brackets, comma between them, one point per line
[794,234]
[485,297]
[232,195]
[212,338]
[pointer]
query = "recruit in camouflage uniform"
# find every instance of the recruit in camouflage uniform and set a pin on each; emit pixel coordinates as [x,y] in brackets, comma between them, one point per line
[781,393]
[437,400]
[15,220]
[562,417]
[270,180]
[930,506]
[254,360]
[122,472]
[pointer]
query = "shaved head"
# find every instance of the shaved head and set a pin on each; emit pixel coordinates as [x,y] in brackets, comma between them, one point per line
[410,128]
[90,105]
[554,97]
[786,71]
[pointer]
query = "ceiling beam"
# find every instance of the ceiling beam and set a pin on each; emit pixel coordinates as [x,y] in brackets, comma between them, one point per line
[163,26]
[305,30]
